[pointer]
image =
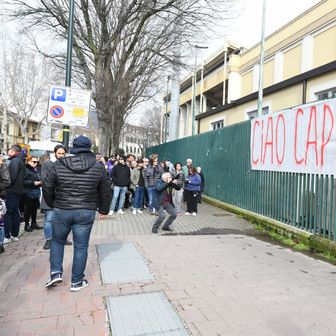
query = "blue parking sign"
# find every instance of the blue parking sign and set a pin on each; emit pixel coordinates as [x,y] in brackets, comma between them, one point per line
[58,94]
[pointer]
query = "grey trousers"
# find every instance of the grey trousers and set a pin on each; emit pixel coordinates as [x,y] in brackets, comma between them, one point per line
[172,216]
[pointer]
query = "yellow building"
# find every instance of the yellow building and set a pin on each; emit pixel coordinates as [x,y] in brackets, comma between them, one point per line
[12,134]
[299,67]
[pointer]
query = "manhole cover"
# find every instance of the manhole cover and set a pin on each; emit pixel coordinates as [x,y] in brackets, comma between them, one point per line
[120,263]
[143,314]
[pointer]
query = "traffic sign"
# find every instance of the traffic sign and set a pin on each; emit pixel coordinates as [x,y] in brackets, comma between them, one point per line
[57,112]
[69,106]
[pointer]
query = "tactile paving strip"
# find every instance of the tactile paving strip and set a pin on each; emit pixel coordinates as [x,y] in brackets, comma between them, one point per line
[144,314]
[122,263]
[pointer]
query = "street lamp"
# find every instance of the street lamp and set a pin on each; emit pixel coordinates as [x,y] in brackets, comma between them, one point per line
[193,101]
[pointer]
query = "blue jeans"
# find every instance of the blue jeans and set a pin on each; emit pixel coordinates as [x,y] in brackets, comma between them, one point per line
[116,191]
[80,222]
[138,197]
[12,216]
[47,228]
[151,195]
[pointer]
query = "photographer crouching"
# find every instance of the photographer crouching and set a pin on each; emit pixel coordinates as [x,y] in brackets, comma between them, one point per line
[164,202]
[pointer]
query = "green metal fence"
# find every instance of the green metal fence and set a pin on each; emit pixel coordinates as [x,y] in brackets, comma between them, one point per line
[305,201]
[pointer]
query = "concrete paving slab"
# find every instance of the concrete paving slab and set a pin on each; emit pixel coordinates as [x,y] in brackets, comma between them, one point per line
[221,284]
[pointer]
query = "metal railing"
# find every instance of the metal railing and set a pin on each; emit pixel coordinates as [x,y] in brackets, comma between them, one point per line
[305,201]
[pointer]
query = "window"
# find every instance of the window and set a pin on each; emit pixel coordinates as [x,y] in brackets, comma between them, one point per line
[254,113]
[217,124]
[331,93]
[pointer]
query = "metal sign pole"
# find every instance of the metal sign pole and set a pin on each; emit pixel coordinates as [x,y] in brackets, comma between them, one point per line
[66,128]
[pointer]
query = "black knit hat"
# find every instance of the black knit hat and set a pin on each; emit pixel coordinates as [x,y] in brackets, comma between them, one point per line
[81,144]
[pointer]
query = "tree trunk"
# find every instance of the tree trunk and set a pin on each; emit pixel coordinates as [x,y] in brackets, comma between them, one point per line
[103,140]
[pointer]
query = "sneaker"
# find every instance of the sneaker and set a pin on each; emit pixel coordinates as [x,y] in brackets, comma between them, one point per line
[120,211]
[155,230]
[7,241]
[14,238]
[134,212]
[47,244]
[78,286]
[139,211]
[187,213]
[111,212]
[55,279]
[194,214]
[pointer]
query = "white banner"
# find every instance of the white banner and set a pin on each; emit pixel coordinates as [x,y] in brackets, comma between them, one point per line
[300,140]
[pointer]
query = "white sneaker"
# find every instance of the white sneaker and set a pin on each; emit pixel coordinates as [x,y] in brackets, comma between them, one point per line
[139,211]
[7,241]
[120,212]
[187,213]
[111,212]
[194,214]
[134,212]
[14,238]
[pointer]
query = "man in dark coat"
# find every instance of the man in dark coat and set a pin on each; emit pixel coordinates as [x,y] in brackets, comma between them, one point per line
[164,202]
[76,187]
[120,175]
[14,192]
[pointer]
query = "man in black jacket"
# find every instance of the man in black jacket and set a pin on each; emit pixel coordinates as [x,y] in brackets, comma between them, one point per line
[14,192]
[76,186]
[121,175]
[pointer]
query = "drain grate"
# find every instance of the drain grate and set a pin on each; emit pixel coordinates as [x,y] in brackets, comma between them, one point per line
[122,263]
[143,314]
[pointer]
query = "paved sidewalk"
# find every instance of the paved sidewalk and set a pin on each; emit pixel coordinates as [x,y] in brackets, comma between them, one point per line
[228,283]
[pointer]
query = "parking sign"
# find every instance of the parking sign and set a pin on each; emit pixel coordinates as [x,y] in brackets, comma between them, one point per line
[69,106]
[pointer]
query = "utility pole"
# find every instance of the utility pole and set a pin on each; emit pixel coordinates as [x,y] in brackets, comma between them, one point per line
[66,128]
[261,67]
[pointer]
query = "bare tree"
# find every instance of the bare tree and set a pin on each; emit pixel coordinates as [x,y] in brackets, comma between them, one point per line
[24,80]
[122,47]
[152,121]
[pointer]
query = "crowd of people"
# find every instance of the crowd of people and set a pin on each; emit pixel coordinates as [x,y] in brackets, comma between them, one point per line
[135,183]
[70,189]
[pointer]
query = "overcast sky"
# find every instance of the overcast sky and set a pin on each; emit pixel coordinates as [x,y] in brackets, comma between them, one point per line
[246,30]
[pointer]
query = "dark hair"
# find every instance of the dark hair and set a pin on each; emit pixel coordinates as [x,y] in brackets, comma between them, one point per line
[57,147]
[192,170]
[16,148]
[97,153]
[44,158]
[177,164]
[140,161]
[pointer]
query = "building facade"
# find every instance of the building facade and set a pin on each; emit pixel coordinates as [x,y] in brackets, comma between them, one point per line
[299,67]
[11,132]
[135,139]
